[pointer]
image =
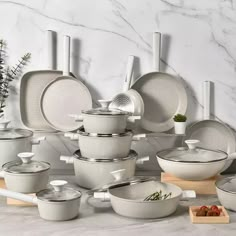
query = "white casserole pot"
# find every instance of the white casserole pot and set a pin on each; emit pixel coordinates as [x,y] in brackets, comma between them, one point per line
[90,173]
[57,204]
[14,141]
[226,192]
[104,146]
[104,120]
[193,163]
[25,175]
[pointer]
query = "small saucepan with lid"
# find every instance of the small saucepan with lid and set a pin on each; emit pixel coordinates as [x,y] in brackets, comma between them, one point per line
[58,203]
[25,175]
[104,120]
[192,162]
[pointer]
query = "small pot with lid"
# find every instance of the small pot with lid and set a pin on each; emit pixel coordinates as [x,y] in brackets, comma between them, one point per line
[91,173]
[25,175]
[14,141]
[58,203]
[104,120]
[192,162]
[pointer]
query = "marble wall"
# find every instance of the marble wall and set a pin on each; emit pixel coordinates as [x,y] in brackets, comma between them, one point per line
[198,45]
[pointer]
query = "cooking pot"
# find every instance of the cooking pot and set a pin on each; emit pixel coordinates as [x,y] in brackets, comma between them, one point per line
[104,146]
[130,199]
[91,173]
[193,163]
[226,192]
[104,120]
[58,203]
[14,141]
[25,175]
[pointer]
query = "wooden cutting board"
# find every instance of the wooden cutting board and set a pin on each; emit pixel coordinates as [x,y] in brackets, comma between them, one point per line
[201,187]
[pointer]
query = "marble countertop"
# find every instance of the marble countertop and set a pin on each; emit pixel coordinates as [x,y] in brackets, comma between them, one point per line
[96,218]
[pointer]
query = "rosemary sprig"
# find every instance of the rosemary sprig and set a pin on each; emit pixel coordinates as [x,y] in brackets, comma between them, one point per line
[157,196]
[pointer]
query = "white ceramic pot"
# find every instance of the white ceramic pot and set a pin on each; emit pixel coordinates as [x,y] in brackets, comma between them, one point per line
[25,175]
[105,146]
[14,141]
[91,173]
[56,204]
[104,120]
[180,127]
[226,192]
[193,163]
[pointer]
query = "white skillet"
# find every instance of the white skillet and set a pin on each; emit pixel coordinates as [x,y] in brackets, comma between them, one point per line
[163,95]
[65,95]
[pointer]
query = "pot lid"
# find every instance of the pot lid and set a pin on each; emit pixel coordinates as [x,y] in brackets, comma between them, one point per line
[192,154]
[11,133]
[105,110]
[25,165]
[227,184]
[132,155]
[58,192]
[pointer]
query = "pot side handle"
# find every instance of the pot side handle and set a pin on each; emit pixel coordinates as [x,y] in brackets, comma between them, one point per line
[132,119]
[231,156]
[2,174]
[18,196]
[36,141]
[141,160]
[187,194]
[72,136]
[76,117]
[103,196]
[67,159]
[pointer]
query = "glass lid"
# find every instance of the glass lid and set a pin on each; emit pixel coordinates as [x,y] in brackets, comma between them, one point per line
[105,110]
[192,154]
[227,184]
[58,192]
[11,133]
[25,165]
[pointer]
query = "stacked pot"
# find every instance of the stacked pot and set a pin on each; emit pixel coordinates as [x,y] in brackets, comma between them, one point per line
[104,144]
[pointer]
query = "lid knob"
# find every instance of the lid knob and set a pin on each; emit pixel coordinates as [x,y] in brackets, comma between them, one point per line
[192,143]
[118,174]
[58,185]
[26,156]
[104,103]
[4,124]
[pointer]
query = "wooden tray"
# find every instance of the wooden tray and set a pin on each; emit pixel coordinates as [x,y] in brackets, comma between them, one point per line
[201,187]
[222,219]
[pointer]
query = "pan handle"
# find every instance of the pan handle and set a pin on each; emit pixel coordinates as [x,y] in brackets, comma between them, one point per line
[66,62]
[51,62]
[156,47]
[188,194]
[72,136]
[18,196]
[36,141]
[129,73]
[206,99]
[103,196]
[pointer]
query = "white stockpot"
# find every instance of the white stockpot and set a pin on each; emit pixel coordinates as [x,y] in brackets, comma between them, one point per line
[57,203]
[192,162]
[91,173]
[14,141]
[25,175]
[104,120]
[104,146]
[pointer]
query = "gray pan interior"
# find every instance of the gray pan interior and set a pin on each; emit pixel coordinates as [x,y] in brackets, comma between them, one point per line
[213,135]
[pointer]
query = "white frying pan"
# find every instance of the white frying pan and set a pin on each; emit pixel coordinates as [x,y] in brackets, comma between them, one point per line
[211,133]
[65,95]
[164,96]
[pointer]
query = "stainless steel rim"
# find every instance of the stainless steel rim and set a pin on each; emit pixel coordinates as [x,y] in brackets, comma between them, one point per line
[132,155]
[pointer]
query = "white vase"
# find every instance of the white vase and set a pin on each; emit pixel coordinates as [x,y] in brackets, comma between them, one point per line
[180,127]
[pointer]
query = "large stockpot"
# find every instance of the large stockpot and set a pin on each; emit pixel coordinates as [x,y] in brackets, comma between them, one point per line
[25,175]
[91,173]
[193,163]
[226,192]
[14,141]
[128,200]
[104,146]
[57,204]
[104,120]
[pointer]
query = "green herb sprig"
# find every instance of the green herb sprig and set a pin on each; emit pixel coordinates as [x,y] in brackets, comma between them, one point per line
[157,196]
[180,118]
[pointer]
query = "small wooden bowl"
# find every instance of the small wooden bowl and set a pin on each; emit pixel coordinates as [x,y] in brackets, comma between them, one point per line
[223,218]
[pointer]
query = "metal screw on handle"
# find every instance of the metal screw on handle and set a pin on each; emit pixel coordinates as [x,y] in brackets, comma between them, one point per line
[58,185]
[26,156]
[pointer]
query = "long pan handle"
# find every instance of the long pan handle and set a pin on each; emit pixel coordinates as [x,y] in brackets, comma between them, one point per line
[129,73]
[66,56]
[50,54]
[18,196]
[156,47]
[206,99]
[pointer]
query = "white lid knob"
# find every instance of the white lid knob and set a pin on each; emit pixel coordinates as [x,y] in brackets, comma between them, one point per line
[58,184]
[104,103]
[4,124]
[26,156]
[192,143]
